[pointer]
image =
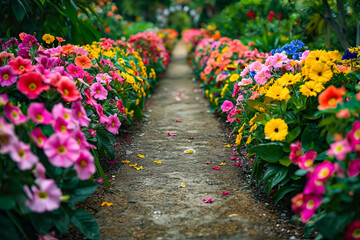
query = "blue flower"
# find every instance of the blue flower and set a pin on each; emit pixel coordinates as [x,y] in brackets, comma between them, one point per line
[297,43]
[252,73]
[290,48]
[296,56]
[349,55]
[272,52]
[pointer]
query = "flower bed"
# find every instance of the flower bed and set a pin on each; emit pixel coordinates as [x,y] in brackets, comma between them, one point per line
[60,109]
[296,112]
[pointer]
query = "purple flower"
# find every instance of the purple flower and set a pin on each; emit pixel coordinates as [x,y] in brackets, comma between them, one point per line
[7,76]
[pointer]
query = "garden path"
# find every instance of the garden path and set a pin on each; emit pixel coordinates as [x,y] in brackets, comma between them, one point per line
[152,203]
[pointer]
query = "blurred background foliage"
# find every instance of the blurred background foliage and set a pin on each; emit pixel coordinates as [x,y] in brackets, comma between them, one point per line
[267,24]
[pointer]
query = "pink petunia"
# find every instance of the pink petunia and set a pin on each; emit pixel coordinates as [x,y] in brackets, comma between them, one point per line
[7,76]
[354,137]
[21,65]
[40,171]
[59,111]
[117,77]
[21,154]
[227,106]
[89,99]
[113,124]
[311,203]
[7,136]
[120,106]
[103,78]
[255,66]
[353,231]
[323,171]
[210,200]
[75,71]
[62,150]
[14,114]
[171,134]
[278,60]
[98,91]
[79,114]
[84,165]
[354,167]
[80,138]
[313,186]
[307,160]
[262,76]
[296,152]
[31,84]
[60,125]
[44,198]
[100,111]
[38,113]
[339,149]
[38,137]
[3,99]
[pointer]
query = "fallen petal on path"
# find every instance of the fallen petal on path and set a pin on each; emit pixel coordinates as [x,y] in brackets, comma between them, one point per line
[171,134]
[178,99]
[158,162]
[208,162]
[190,137]
[225,193]
[222,164]
[189,151]
[216,168]
[227,146]
[126,161]
[178,121]
[210,200]
[182,185]
[106,204]
[140,156]
[112,162]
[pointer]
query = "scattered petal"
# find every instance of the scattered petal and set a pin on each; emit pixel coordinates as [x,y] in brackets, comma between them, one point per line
[112,162]
[227,146]
[138,168]
[128,152]
[178,99]
[245,154]
[182,185]
[239,164]
[216,168]
[178,121]
[189,151]
[171,134]
[100,180]
[222,164]
[235,153]
[107,204]
[128,140]
[140,156]
[210,200]
[133,165]
[225,193]
[126,161]
[158,162]
[116,144]
[234,158]
[190,137]
[208,162]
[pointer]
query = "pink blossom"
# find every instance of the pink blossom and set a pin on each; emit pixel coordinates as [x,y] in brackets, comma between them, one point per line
[3,99]
[84,165]
[113,124]
[344,113]
[354,167]
[7,76]
[210,200]
[226,106]
[98,91]
[323,171]
[307,160]
[79,114]
[38,137]
[60,125]
[7,136]
[40,171]
[245,72]
[80,138]
[311,203]
[49,236]
[75,71]
[262,76]
[14,114]
[304,55]
[44,198]
[354,137]
[103,119]
[313,186]
[80,51]
[38,113]
[245,81]
[89,99]
[296,152]
[21,154]
[120,106]
[352,231]
[255,66]
[59,111]
[62,150]
[103,78]
[339,149]
[278,60]
[117,77]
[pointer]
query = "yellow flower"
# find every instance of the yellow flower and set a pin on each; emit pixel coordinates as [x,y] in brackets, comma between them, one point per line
[320,72]
[234,77]
[140,156]
[317,56]
[227,146]
[225,49]
[253,128]
[222,164]
[107,204]
[189,151]
[238,139]
[289,79]
[276,129]
[48,38]
[248,141]
[251,122]
[131,113]
[137,101]
[126,161]
[216,101]
[278,93]
[242,127]
[133,165]
[311,88]
[335,56]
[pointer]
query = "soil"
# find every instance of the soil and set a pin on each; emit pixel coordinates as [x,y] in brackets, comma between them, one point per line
[150,203]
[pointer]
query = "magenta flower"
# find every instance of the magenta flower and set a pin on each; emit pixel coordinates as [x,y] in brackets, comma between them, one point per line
[59,111]
[262,76]
[307,159]
[296,152]
[313,186]
[3,99]
[353,231]
[354,167]
[78,113]
[7,136]
[14,114]
[311,202]
[47,198]
[339,149]
[216,168]
[210,200]
[113,124]
[80,138]
[103,78]
[323,171]
[38,113]
[84,165]
[225,193]
[60,125]
[227,106]
[7,76]
[40,171]
[354,137]
[103,119]
[98,91]
[21,154]
[38,137]
[171,134]
[62,150]
[75,71]
[89,99]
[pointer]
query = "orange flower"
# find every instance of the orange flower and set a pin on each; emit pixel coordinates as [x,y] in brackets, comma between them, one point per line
[114,8]
[68,49]
[107,30]
[22,35]
[331,97]
[110,14]
[60,39]
[83,62]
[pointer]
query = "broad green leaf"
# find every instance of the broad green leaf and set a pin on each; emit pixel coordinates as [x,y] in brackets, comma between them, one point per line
[7,202]
[61,220]
[293,134]
[273,176]
[282,192]
[86,224]
[270,152]
[19,10]
[7,229]
[42,222]
[285,162]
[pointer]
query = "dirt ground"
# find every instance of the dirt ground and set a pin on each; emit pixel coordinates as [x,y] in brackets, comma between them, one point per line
[152,204]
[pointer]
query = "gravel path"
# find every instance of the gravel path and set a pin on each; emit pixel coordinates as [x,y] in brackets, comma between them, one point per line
[153,205]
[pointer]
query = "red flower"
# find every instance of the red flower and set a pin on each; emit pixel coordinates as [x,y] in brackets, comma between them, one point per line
[353,231]
[120,106]
[331,97]
[21,65]
[31,85]
[251,14]
[278,16]
[68,90]
[271,13]
[269,19]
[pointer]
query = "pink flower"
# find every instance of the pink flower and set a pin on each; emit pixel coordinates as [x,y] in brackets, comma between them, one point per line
[245,81]
[79,114]
[31,85]
[354,137]
[339,149]
[60,125]
[14,114]
[38,113]
[21,65]
[297,203]
[216,168]
[7,136]
[225,193]
[307,160]
[62,150]
[226,106]
[313,186]
[120,106]
[84,165]
[98,91]
[296,152]
[3,99]
[59,111]
[38,137]
[21,154]
[40,171]
[113,124]
[103,78]
[89,99]
[344,113]
[117,77]
[353,231]
[323,171]
[80,138]
[311,202]
[100,111]
[278,60]
[354,167]
[255,66]
[75,71]
[262,76]
[49,236]
[210,200]
[7,76]
[44,198]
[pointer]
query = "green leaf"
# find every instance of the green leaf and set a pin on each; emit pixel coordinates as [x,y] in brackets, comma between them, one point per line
[270,152]
[285,162]
[61,220]
[282,192]
[7,229]
[105,141]
[293,134]
[82,191]
[42,2]
[301,172]
[86,224]
[273,176]
[256,106]
[7,202]
[19,10]
[99,168]
[333,223]
[42,222]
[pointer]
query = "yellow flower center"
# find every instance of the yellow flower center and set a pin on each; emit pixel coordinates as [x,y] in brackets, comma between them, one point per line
[79,114]
[112,124]
[262,75]
[61,149]
[39,117]
[66,116]
[323,173]
[42,195]
[66,92]
[21,153]
[356,233]
[63,128]
[357,134]
[5,76]
[98,91]
[308,162]
[74,72]
[40,140]
[14,114]
[21,67]
[103,78]
[32,86]
[310,204]
[78,140]
[332,101]
[82,164]
[299,203]
[339,148]
[298,153]
[4,140]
